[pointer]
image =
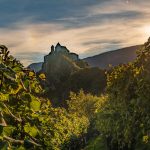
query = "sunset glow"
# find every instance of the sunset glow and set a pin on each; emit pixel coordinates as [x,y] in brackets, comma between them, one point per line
[146,31]
[85,27]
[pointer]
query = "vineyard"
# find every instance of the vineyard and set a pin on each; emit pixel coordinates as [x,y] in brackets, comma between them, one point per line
[118,119]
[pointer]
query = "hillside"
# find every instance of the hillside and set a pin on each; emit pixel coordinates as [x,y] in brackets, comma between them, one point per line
[114,57]
[103,60]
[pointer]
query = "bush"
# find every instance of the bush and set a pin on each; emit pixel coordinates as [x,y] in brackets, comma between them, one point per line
[125,119]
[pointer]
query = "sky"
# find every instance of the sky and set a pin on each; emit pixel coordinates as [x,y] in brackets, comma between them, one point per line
[87,27]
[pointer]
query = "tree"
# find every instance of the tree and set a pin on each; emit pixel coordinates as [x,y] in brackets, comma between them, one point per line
[27,120]
[124,120]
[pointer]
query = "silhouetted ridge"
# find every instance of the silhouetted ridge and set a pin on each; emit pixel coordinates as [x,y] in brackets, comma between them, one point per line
[103,60]
[114,58]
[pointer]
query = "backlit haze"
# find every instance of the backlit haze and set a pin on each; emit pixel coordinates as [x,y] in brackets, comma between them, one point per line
[88,27]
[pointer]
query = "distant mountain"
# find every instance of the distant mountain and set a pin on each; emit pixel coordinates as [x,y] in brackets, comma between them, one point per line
[103,60]
[36,66]
[114,58]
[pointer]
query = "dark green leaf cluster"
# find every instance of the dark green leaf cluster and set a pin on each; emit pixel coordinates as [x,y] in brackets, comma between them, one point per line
[124,120]
[27,120]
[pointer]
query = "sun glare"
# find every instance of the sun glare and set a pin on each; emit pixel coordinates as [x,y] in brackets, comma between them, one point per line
[145,33]
[147,30]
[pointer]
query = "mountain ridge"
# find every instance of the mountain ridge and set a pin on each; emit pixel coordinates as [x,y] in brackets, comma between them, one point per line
[103,60]
[113,57]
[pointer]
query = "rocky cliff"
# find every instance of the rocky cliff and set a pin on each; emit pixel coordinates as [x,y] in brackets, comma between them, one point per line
[60,63]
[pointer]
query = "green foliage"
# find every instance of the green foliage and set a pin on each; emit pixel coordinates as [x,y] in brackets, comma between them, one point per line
[97,143]
[64,128]
[91,80]
[27,120]
[84,104]
[118,120]
[124,120]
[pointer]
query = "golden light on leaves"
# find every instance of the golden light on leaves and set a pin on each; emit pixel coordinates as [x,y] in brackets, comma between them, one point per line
[145,139]
[42,76]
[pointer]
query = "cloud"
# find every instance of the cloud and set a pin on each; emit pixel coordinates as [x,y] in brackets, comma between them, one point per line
[85,27]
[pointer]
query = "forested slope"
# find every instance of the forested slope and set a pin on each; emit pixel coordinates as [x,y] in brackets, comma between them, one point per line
[124,119]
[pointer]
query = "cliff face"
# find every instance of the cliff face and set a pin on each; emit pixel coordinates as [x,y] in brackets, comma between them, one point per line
[60,63]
